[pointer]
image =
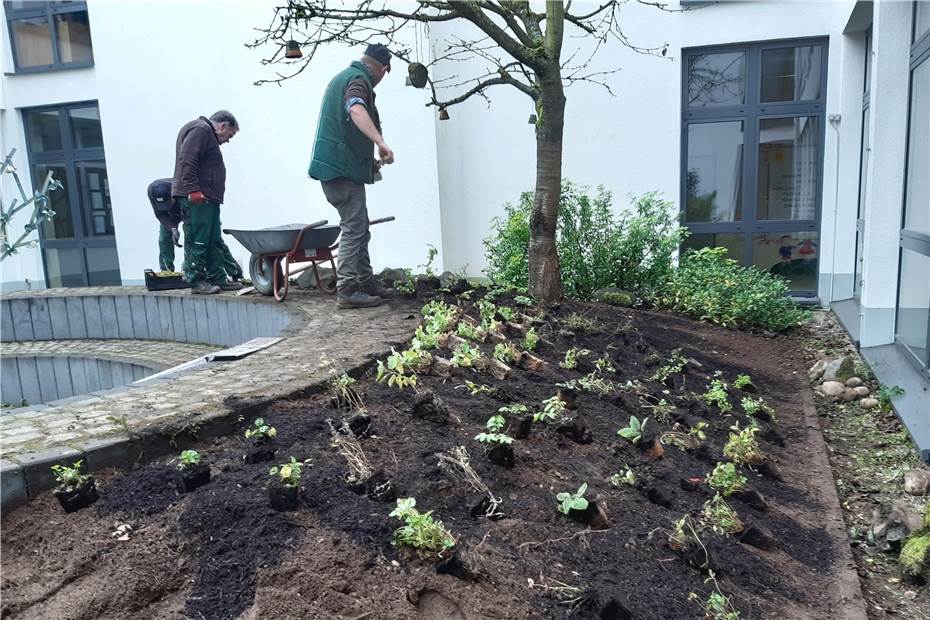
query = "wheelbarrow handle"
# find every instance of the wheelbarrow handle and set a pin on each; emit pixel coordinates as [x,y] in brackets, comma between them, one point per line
[381,220]
[300,237]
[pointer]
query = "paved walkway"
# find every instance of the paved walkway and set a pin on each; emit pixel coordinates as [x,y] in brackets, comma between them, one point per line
[155,354]
[100,427]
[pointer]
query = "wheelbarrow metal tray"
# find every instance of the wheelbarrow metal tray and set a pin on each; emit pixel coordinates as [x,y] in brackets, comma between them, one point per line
[280,239]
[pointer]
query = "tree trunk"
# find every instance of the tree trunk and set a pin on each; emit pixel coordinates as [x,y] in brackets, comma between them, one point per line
[545,281]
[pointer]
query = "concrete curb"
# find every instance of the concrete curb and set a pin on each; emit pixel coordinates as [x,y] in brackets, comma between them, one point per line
[24,478]
[853,605]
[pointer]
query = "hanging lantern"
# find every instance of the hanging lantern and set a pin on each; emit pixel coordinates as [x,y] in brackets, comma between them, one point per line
[293,50]
[443,114]
[417,75]
[532,119]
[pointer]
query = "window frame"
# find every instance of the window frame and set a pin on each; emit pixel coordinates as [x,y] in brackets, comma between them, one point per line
[751,112]
[47,10]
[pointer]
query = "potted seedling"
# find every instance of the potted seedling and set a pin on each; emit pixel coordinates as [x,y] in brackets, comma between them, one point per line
[499,444]
[193,472]
[261,446]
[576,507]
[75,490]
[420,532]
[643,436]
[285,484]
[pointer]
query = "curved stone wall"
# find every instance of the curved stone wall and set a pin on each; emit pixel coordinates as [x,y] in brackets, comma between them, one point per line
[41,379]
[218,320]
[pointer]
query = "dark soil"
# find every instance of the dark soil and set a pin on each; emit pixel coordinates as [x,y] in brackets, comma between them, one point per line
[222,551]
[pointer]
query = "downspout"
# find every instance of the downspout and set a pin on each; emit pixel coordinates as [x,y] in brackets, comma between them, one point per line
[835,123]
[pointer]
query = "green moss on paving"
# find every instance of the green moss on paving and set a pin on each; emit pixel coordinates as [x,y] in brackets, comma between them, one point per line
[913,558]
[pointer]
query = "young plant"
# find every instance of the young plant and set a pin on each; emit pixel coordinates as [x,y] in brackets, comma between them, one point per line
[726,479]
[425,340]
[697,431]
[408,285]
[578,322]
[571,357]
[742,446]
[888,393]
[70,477]
[634,432]
[741,381]
[398,371]
[495,425]
[753,407]
[553,410]
[341,387]
[573,501]
[477,388]
[661,411]
[720,517]
[523,300]
[486,310]
[592,382]
[431,253]
[420,531]
[717,606]
[716,394]
[466,355]
[289,473]
[438,316]
[506,352]
[627,477]
[507,313]
[189,458]
[531,339]
[260,430]
[515,409]
[676,364]
[467,331]
[604,364]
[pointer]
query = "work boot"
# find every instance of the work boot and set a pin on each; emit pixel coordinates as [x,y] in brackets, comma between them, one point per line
[355,298]
[204,288]
[230,285]
[375,290]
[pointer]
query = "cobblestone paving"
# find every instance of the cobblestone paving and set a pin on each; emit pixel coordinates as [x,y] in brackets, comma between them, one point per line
[156,354]
[350,337]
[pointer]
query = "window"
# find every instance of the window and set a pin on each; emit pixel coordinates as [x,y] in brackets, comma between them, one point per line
[752,154]
[912,326]
[47,36]
[79,243]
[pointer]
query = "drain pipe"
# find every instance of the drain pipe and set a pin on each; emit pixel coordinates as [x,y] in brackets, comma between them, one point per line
[835,123]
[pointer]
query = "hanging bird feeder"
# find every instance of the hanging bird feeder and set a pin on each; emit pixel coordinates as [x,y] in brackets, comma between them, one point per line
[443,114]
[293,50]
[417,75]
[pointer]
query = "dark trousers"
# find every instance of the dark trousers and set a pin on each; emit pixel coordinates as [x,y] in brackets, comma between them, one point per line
[165,248]
[202,239]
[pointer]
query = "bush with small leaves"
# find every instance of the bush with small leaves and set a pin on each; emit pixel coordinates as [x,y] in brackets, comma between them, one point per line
[506,312]
[742,381]
[523,300]
[398,372]
[716,394]
[467,331]
[726,479]
[573,501]
[515,409]
[188,459]
[571,357]
[553,411]
[425,340]
[634,432]
[260,430]
[754,407]
[70,477]
[466,355]
[439,316]
[427,536]
[742,446]
[506,352]
[720,517]
[288,474]
[604,364]
[495,425]
[531,339]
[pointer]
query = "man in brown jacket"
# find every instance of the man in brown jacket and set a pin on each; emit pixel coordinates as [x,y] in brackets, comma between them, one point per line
[199,185]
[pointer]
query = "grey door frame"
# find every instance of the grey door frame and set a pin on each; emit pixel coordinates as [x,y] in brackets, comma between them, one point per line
[68,156]
[750,112]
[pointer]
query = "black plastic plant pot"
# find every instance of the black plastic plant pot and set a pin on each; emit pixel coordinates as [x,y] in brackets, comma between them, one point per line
[73,499]
[283,498]
[260,450]
[586,516]
[501,454]
[427,284]
[193,477]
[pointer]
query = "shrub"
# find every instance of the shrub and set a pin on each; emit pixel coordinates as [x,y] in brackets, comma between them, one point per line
[189,458]
[420,531]
[711,287]
[596,250]
[725,479]
[70,477]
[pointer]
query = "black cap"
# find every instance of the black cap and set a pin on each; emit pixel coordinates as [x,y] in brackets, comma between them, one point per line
[160,190]
[380,53]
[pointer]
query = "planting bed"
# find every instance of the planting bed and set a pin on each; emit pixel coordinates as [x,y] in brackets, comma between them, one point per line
[221,551]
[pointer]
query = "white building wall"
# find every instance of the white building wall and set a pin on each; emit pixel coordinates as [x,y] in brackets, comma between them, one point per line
[630,143]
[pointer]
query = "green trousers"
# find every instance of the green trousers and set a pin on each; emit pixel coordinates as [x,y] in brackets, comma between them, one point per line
[165,249]
[223,264]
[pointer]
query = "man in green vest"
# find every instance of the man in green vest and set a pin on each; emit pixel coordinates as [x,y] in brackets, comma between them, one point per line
[343,161]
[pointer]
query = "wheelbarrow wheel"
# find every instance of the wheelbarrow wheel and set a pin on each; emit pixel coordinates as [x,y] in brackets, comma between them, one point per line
[261,270]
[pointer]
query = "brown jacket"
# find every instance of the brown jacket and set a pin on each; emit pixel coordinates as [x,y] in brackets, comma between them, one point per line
[198,164]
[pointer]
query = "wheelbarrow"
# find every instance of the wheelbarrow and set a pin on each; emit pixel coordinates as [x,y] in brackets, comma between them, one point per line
[275,249]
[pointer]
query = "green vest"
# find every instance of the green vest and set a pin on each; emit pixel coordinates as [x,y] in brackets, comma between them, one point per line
[341,149]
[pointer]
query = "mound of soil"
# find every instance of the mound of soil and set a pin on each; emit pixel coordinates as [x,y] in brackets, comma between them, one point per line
[222,552]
